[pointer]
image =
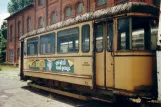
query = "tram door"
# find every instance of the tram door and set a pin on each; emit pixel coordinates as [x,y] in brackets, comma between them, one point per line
[104,54]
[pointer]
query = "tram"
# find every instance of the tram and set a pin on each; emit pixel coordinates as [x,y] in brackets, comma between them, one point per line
[99,55]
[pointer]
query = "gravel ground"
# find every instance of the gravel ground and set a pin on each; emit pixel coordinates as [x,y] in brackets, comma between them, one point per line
[15,93]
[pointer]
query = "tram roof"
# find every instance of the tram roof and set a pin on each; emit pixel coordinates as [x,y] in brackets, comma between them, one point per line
[102,13]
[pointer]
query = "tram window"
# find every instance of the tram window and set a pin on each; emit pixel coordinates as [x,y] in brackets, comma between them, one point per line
[154,34]
[123,34]
[85,38]
[47,43]
[25,47]
[110,37]
[140,34]
[32,46]
[99,37]
[138,39]
[68,40]
[157,2]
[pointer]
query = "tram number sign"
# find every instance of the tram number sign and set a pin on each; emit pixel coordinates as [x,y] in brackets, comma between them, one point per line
[58,65]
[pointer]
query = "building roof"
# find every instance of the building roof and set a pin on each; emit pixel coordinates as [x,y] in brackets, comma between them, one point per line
[21,10]
[103,13]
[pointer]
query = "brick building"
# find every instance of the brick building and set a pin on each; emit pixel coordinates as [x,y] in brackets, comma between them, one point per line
[47,12]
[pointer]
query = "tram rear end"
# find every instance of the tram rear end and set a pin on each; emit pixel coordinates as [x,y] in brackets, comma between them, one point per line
[125,55]
[159,58]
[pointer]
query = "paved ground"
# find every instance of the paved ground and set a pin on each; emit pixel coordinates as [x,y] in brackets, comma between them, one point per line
[15,93]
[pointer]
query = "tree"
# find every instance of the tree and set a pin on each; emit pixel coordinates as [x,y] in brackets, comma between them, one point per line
[4,29]
[3,41]
[16,5]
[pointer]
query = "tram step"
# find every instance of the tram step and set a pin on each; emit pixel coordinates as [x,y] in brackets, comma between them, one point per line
[69,94]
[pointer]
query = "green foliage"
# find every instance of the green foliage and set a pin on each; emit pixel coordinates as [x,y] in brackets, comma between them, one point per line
[16,5]
[4,29]
[3,42]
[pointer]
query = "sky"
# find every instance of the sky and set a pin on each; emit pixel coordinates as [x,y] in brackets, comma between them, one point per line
[3,10]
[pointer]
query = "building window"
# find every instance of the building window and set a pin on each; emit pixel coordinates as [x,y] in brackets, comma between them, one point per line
[28,24]
[47,44]
[80,7]
[68,41]
[85,38]
[101,2]
[32,46]
[41,23]
[19,29]
[40,2]
[53,17]
[11,56]
[11,33]
[67,11]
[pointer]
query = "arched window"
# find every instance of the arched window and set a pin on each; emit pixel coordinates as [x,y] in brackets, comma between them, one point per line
[28,24]
[41,22]
[101,2]
[53,17]
[80,7]
[11,56]
[40,2]
[11,33]
[19,28]
[67,11]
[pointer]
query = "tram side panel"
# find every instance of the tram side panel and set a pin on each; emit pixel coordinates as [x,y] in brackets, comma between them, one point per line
[74,68]
[135,73]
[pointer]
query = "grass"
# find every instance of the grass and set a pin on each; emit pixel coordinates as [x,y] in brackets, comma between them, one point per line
[8,68]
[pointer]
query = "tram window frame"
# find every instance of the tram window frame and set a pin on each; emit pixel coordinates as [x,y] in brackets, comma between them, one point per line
[87,34]
[68,36]
[111,37]
[126,33]
[101,50]
[51,41]
[35,39]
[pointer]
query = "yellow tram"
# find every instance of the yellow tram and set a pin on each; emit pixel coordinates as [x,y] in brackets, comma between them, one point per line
[101,54]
